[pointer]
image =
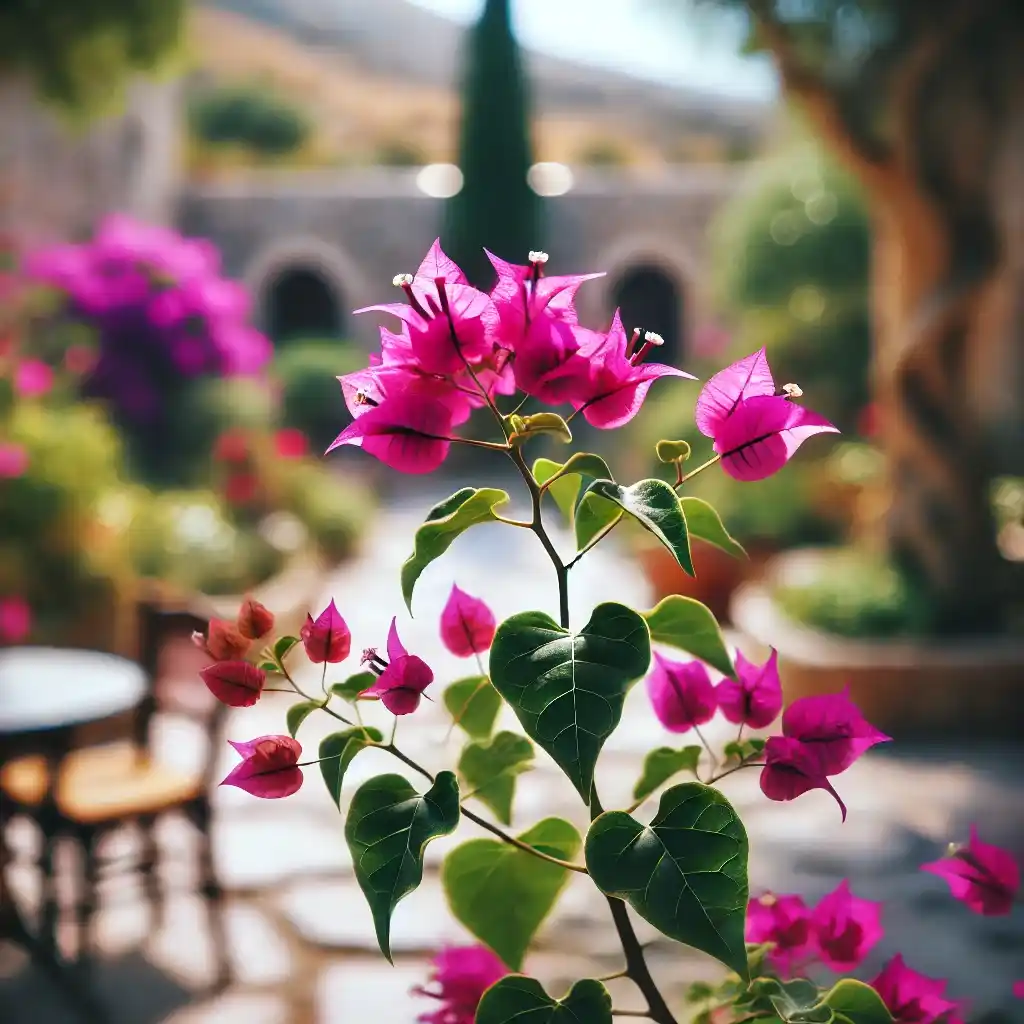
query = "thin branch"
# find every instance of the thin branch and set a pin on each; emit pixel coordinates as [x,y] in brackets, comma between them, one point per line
[484,823]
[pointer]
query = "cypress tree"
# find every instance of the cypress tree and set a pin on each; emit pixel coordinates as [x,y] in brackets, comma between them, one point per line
[496,207]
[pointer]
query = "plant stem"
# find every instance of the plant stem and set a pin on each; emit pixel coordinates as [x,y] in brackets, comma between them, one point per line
[484,823]
[306,696]
[737,768]
[636,965]
[699,469]
[595,540]
[630,1013]
[537,525]
[493,445]
[707,747]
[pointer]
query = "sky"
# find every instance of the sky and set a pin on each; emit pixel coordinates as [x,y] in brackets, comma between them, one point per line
[636,37]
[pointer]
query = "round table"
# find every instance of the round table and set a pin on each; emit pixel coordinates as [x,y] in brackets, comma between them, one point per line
[47,688]
[45,694]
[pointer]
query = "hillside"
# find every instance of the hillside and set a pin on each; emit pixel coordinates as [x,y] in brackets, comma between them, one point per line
[378,77]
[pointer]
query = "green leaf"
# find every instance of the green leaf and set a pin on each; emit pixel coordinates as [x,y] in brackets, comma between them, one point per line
[685,873]
[699,992]
[282,646]
[474,705]
[661,764]
[703,522]
[544,423]
[489,770]
[567,479]
[465,508]
[742,750]
[593,516]
[269,666]
[857,1003]
[337,752]
[797,1003]
[501,894]
[522,1000]
[672,451]
[389,825]
[298,713]
[353,686]
[563,490]
[687,624]
[655,506]
[567,689]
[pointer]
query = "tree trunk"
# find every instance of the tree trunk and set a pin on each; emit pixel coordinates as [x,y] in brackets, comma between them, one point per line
[947,302]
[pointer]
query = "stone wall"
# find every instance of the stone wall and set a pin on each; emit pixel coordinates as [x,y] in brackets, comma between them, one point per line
[357,229]
[57,178]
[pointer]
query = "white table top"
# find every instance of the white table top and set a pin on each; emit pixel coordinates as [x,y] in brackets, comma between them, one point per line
[49,687]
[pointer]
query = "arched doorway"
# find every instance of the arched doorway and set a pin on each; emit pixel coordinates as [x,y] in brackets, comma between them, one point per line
[301,303]
[650,299]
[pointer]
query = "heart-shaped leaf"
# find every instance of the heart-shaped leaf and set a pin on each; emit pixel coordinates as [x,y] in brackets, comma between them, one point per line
[685,873]
[655,506]
[489,770]
[337,752]
[857,1003]
[501,894]
[520,999]
[445,521]
[661,764]
[703,522]
[388,827]
[593,516]
[474,705]
[353,686]
[567,689]
[298,713]
[566,480]
[689,625]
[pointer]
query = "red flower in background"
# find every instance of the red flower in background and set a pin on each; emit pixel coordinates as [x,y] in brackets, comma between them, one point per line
[291,443]
[232,446]
[241,488]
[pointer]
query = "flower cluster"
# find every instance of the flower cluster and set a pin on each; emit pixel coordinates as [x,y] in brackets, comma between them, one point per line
[843,929]
[821,736]
[238,469]
[268,768]
[162,313]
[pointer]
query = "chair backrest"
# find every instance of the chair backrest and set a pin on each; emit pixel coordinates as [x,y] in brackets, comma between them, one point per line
[181,695]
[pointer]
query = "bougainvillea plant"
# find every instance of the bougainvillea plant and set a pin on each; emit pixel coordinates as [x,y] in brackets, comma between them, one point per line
[683,869]
[161,316]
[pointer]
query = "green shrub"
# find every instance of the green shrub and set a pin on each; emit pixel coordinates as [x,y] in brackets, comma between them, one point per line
[250,117]
[311,401]
[186,538]
[856,595]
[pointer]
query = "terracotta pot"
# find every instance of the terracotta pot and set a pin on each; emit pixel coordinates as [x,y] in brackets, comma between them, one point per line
[929,686]
[717,574]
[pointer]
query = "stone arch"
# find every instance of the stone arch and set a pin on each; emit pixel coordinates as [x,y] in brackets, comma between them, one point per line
[653,281]
[302,287]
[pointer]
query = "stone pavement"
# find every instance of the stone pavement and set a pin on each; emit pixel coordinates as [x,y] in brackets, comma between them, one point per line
[300,934]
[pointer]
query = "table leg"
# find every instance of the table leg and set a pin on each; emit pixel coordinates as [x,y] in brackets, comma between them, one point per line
[14,929]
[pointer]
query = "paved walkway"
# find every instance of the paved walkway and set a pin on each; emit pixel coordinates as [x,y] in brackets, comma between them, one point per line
[299,931]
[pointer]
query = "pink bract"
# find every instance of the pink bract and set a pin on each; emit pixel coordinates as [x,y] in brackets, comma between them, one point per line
[749,378]
[467,624]
[408,432]
[459,977]
[616,386]
[785,922]
[912,998]
[400,686]
[791,770]
[832,729]
[681,693]
[985,878]
[235,683]
[268,767]
[754,698]
[327,637]
[846,928]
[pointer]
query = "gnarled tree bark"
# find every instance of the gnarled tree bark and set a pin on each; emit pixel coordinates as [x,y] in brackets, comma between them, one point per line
[947,294]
